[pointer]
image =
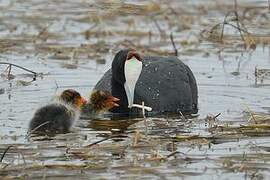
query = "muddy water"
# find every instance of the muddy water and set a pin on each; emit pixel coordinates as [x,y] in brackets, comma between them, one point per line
[71,44]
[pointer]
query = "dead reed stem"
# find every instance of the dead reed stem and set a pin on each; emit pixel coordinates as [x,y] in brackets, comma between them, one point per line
[20,67]
[173,44]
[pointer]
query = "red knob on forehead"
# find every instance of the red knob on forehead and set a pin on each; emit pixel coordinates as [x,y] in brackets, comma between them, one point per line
[133,53]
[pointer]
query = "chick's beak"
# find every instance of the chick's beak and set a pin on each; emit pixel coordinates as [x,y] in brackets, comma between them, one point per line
[111,102]
[83,101]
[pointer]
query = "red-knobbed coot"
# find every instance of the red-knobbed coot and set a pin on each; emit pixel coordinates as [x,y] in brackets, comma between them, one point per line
[164,83]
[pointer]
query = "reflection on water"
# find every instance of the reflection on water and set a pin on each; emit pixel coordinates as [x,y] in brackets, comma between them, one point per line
[116,125]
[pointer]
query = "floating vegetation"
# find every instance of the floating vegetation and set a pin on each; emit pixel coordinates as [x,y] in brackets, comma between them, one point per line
[216,33]
[261,75]
[139,148]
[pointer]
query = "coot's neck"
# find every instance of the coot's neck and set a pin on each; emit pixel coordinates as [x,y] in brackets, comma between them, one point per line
[69,106]
[118,80]
[119,92]
[88,110]
[72,110]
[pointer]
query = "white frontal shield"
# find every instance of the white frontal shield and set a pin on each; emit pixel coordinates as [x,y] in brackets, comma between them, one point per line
[133,69]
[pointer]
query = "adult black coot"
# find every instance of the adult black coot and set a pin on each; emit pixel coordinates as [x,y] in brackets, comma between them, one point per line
[59,116]
[165,84]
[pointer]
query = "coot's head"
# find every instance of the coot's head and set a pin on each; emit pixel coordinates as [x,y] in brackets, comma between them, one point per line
[72,97]
[126,69]
[103,100]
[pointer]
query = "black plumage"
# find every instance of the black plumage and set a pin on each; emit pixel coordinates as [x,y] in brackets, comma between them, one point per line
[166,84]
[59,116]
[52,118]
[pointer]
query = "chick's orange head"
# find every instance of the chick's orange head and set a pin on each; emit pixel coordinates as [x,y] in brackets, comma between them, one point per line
[103,100]
[72,97]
